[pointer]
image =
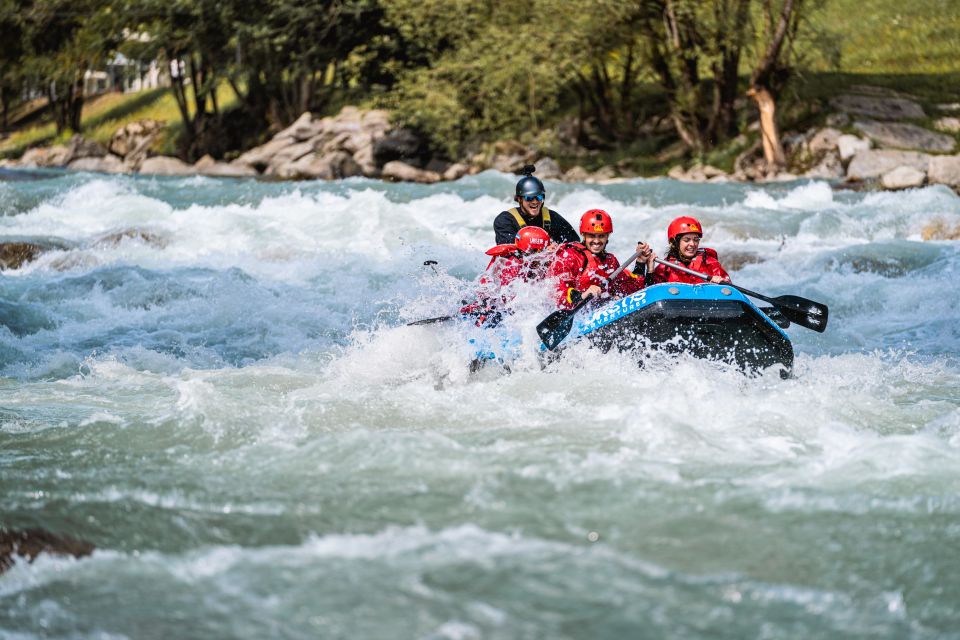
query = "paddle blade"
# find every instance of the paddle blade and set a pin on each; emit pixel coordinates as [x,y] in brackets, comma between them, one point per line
[806,313]
[556,327]
[429,321]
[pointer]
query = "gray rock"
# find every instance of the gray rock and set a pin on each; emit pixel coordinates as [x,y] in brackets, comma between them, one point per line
[578,174]
[944,170]
[303,128]
[259,157]
[286,156]
[696,173]
[849,145]
[949,107]
[823,140]
[80,147]
[603,174]
[883,108]
[400,144]
[948,124]
[905,136]
[107,164]
[873,163]
[225,169]
[456,171]
[330,166]
[55,156]
[548,169]
[364,159]
[903,178]
[376,120]
[829,168]
[403,172]
[166,166]
[138,153]
[131,136]
[838,119]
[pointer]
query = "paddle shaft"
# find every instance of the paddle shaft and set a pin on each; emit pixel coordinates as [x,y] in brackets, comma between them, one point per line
[807,313]
[704,276]
[555,327]
[613,275]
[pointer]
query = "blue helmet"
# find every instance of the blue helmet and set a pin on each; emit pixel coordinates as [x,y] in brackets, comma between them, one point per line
[529,185]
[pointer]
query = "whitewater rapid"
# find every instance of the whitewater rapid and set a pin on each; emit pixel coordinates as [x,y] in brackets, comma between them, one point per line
[213,382]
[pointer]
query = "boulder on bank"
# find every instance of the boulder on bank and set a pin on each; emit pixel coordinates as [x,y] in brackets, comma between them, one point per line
[873,163]
[80,147]
[403,172]
[830,167]
[823,140]
[900,135]
[548,169]
[107,164]
[849,146]
[207,166]
[315,147]
[944,170]
[903,178]
[697,173]
[166,166]
[880,107]
[330,166]
[131,136]
[55,156]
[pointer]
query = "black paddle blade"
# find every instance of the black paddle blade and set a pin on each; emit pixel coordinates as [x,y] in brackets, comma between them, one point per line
[429,321]
[803,312]
[777,316]
[555,327]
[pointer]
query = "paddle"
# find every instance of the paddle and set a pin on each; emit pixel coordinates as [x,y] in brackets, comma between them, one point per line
[556,326]
[430,321]
[801,311]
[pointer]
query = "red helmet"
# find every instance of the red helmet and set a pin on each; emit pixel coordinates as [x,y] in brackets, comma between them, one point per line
[596,221]
[682,225]
[532,239]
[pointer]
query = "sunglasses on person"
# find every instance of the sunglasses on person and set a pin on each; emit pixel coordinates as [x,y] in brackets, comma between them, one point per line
[537,198]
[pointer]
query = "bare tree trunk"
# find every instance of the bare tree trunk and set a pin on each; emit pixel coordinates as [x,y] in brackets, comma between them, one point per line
[772,149]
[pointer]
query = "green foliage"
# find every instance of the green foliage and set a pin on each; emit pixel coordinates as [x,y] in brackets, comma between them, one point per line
[889,36]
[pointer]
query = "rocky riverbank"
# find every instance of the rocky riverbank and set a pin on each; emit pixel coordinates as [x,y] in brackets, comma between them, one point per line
[871,137]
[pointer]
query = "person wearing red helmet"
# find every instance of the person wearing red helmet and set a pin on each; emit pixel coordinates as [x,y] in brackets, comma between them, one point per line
[583,268]
[523,259]
[684,235]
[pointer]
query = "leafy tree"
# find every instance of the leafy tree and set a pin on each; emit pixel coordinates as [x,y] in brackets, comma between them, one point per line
[11,57]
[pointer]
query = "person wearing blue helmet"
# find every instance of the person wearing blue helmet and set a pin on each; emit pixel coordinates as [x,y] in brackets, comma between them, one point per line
[531,210]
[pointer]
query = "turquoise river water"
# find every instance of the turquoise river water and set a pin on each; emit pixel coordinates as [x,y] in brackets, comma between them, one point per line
[212,381]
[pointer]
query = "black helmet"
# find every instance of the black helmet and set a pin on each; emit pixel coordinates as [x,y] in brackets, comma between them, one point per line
[529,185]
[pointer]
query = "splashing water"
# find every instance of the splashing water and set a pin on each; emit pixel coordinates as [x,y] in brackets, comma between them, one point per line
[213,382]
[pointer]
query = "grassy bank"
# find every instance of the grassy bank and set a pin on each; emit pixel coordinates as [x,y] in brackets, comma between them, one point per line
[104,114]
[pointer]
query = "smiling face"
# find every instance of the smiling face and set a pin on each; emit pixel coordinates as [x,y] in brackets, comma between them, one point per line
[596,242]
[530,207]
[687,245]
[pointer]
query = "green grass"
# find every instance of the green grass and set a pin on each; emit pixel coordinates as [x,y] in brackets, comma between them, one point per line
[890,36]
[104,114]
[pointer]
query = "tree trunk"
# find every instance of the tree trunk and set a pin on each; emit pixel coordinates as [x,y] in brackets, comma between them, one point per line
[5,100]
[772,149]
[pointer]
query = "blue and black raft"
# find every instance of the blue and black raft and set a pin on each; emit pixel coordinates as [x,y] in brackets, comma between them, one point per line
[709,321]
[714,321]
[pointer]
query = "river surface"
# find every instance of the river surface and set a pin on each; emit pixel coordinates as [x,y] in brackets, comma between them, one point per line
[212,381]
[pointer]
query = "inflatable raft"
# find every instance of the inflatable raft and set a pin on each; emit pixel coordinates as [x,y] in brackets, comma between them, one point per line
[707,320]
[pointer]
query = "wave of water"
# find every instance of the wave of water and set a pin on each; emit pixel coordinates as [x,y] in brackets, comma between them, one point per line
[212,381]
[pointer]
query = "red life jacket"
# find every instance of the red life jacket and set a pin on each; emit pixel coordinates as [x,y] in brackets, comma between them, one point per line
[705,262]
